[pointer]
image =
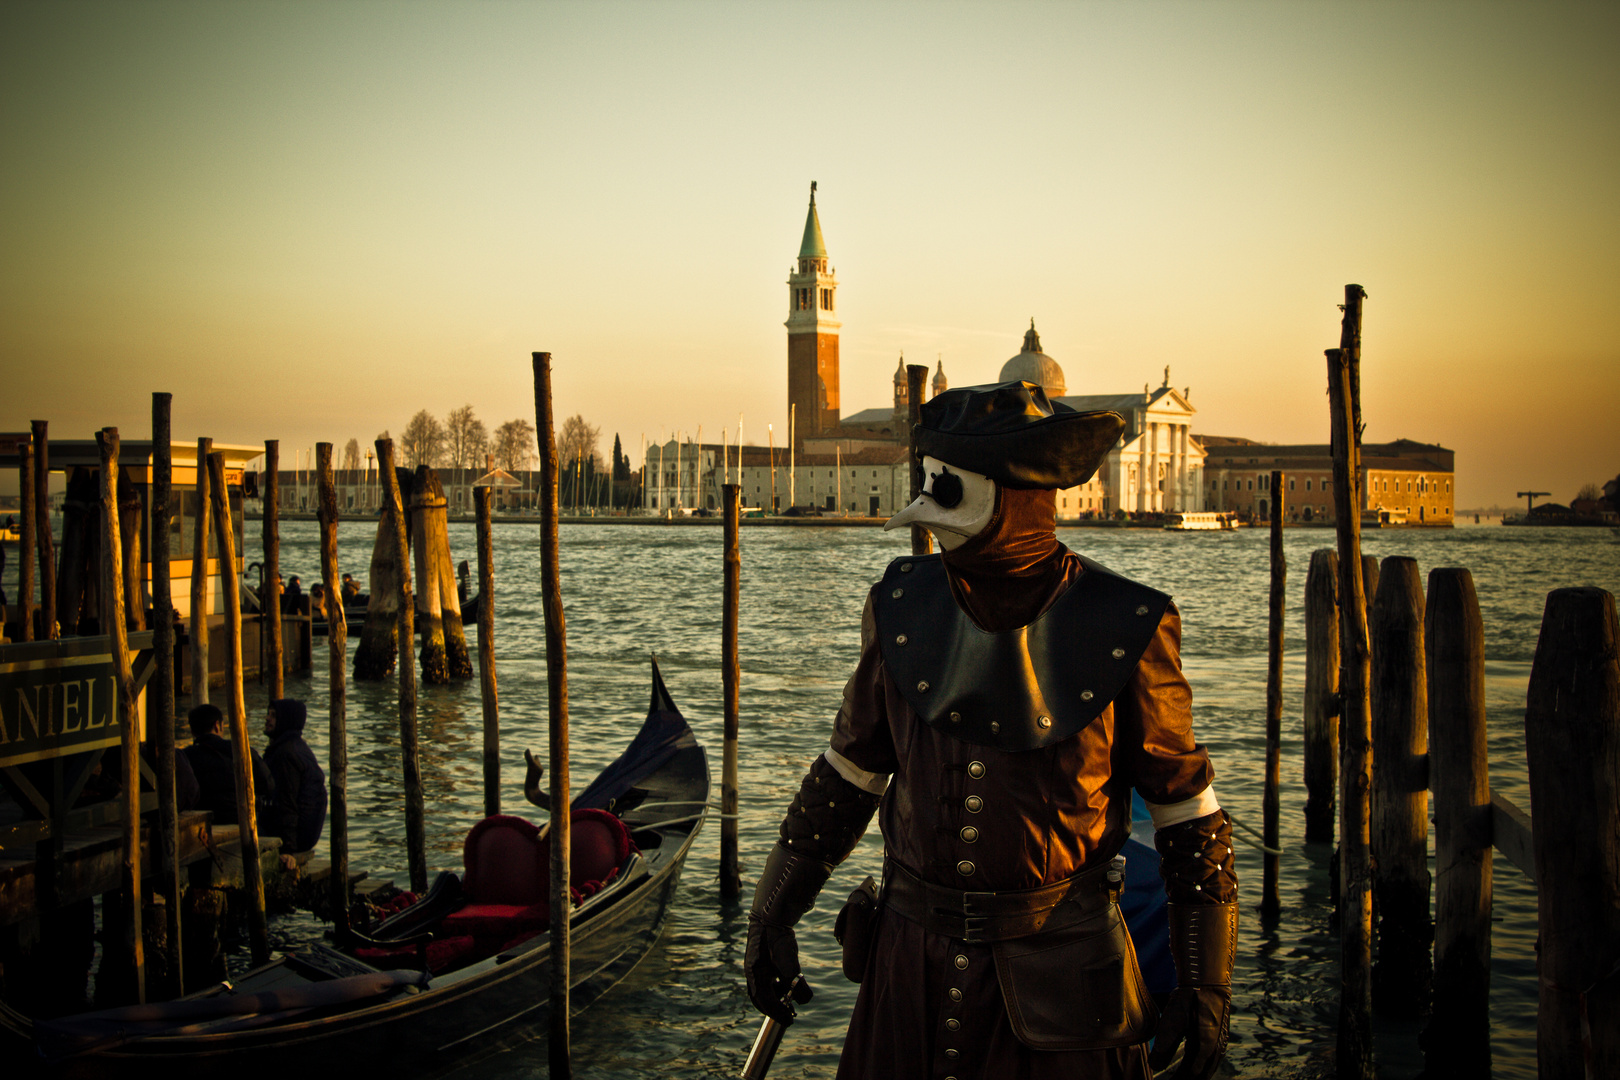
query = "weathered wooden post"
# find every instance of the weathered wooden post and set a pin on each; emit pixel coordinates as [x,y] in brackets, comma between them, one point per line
[374,656]
[1321,694]
[337,641]
[160,699]
[1354,1053]
[1454,646]
[922,541]
[557,688]
[112,620]
[25,541]
[1369,587]
[236,709]
[1572,736]
[428,509]
[1400,794]
[1271,800]
[131,548]
[731,690]
[409,750]
[42,526]
[199,577]
[270,599]
[486,652]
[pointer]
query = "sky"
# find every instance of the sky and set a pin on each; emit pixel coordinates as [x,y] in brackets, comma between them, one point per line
[308,221]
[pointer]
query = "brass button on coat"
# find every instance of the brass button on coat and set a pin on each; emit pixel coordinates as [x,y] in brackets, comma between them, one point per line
[956,718]
[900,639]
[973,803]
[976,769]
[1143,610]
[922,687]
[898,593]
[964,868]
[1044,721]
[1119,654]
[960,961]
[954,994]
[995,727]
[952,1025]
[968,834]
[1086,695]
[905,568]
[952,1054]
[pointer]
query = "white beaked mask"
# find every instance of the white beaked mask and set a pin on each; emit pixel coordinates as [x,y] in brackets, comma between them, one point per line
[955,505]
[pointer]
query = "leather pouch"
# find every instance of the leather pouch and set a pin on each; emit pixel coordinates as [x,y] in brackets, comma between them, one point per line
[855,927]
[1076,985]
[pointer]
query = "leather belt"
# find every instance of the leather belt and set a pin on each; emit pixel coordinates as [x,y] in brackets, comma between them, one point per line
[994,916]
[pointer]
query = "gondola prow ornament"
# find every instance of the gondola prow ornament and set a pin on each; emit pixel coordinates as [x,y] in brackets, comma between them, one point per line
[1008,697]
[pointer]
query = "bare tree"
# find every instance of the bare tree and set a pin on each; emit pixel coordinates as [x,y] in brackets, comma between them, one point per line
[515,445]
[423,441]
[351,455]
[576,440]
[465,439]
[1589,491]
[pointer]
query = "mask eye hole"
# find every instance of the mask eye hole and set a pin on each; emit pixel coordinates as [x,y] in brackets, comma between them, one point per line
[947,489]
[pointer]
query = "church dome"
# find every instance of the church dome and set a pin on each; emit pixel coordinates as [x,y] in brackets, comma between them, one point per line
[1033,366]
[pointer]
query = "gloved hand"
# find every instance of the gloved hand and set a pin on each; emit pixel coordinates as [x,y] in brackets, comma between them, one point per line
[787,889]
[1199,1015]
[771,962]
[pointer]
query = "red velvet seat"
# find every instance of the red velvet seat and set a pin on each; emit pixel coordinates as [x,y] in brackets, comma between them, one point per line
[507,880]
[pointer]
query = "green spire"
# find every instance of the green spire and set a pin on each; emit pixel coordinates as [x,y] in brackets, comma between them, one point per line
[813,247]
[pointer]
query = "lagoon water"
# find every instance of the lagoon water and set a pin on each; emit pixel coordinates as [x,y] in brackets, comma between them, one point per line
[634,591]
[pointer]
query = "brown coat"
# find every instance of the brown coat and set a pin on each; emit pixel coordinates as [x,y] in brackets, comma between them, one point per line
[1042,816]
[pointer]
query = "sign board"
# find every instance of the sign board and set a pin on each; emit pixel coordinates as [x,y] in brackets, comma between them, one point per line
[55,706]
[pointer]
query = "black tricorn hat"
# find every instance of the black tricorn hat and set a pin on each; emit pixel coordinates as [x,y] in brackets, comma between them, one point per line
[1011,433]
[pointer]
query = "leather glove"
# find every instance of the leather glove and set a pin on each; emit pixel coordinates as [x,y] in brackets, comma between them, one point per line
[1203,941]
[1198,1015]
[772,963]
[787,889]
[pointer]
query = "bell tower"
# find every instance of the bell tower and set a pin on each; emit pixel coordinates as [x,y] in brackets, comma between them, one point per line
[812,333]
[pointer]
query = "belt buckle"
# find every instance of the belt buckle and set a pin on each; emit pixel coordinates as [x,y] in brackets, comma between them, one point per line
[972,925]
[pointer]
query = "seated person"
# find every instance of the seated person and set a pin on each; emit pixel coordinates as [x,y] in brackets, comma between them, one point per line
[351,588]
[210,758]
[299,812]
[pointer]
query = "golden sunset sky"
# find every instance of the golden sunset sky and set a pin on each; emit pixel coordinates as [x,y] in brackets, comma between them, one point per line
[309,220]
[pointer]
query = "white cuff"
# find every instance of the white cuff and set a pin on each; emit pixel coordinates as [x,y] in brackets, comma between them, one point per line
[1167,814]
[866,781]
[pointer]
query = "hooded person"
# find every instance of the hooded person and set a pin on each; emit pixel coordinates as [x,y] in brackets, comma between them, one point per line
[299,812]
[1009,695]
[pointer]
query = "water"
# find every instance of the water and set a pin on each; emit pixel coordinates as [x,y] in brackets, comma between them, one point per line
[632,591]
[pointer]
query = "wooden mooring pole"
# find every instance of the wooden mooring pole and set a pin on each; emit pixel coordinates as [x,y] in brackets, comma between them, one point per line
[1458,1041]
[160,698]
[197,623]
[731,685]
[112,622]
[1354,1051]
[271,646]
[25,543]
[1572,737]
[337,726]
[1271,800]
[1321,695]
[922,541]
[236,710]
[1400,794]
[557,687]
[486,652]
[409,749]
[45,546]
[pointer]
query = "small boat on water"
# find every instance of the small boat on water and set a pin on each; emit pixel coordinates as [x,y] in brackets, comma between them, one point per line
[470,956]
[1201,521]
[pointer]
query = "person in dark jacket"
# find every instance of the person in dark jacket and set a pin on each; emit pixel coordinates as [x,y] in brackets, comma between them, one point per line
[299,813]
[210,758]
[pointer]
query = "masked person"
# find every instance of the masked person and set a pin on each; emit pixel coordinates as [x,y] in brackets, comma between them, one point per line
[1009,696]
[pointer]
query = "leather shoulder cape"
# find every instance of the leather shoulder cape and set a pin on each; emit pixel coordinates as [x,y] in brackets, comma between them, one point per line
[1021,689]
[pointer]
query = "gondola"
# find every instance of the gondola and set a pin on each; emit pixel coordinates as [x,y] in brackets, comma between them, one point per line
[442,975]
